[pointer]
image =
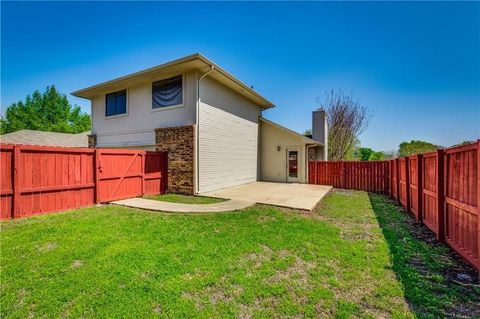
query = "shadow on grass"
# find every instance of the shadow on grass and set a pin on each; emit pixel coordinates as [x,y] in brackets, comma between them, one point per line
[436,281]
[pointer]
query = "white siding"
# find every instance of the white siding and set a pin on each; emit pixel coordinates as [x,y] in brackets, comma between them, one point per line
[228,138]
[138,125]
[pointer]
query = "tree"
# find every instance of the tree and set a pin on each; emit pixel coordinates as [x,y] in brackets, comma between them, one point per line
[346,119]
[367,154]
[47,111]
[415,147]
[364,153]
[307,132]
[378,156]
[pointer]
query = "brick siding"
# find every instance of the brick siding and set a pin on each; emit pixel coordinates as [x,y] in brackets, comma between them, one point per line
[92,141]
[179,143]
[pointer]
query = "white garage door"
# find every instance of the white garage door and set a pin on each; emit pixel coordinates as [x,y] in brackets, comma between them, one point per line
[227,149]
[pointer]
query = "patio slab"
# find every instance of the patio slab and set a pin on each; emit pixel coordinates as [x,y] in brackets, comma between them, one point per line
[156,205]
[291,195]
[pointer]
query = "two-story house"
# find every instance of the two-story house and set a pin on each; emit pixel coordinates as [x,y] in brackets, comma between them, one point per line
[207,120]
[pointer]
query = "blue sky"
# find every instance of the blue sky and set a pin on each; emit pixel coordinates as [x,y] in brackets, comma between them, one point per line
[415,65]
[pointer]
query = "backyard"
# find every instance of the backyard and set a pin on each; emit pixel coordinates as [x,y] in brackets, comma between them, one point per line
[356,255]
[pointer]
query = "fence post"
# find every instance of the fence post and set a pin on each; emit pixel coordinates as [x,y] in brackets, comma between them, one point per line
[386,181]
[15,182]
[344,175]
[165,163]
[96,170]
[407,184]
[440,195]
[390,169]
[419,187]
[144,155]
[397,182]
[478,198]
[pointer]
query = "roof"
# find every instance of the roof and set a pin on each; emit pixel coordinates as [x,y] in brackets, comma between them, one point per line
[33,137]
[305,139]
[192,62]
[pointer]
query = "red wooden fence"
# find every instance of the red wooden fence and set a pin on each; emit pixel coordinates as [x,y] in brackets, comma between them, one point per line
[38,179]
[403,181]
[441,189]
[372,176]
[431,183]
[415,185]
[462,196]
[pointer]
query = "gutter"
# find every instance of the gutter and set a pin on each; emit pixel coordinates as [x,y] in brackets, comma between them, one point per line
[197,119]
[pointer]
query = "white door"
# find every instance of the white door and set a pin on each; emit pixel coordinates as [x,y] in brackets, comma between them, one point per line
[293,164]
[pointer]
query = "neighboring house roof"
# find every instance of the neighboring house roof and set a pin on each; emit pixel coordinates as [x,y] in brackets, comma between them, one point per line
[305,139]
[194,61]
[32,137]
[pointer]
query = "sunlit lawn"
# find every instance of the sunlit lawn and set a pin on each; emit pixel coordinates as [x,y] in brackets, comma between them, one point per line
[260,262]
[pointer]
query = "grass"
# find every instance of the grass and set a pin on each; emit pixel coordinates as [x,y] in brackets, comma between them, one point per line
[348,259]
[185,199]
[426,268]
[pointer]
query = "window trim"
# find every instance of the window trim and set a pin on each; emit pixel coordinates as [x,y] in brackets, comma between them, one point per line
[105,116]
[166,108]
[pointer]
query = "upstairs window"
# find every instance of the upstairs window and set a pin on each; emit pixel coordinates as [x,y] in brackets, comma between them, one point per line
[116,103]
[167,92]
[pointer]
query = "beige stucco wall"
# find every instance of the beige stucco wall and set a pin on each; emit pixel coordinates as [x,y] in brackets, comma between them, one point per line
[137,126]
[273,163]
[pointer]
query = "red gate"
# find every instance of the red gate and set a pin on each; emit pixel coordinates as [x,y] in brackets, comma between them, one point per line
[129,173]
[40,179]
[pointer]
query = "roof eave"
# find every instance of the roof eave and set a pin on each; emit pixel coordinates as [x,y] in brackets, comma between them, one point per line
[87,93]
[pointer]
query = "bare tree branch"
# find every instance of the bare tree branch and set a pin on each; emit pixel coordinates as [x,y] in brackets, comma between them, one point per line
[346,119]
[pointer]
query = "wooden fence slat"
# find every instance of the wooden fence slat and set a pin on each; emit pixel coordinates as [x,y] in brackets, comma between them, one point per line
[42,179]
[442,189]
[440,195]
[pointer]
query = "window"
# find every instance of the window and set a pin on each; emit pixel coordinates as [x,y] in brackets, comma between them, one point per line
[292,164]
[116,103]
[167,92]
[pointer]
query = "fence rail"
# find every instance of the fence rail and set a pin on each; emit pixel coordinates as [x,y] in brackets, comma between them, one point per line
[372,176]
[441,189]
[40,179]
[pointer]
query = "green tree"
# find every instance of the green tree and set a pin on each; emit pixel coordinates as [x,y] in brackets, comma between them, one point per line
[307,132]
[47,111]
[364,153]
[415,147]
[378,156]
[367,154]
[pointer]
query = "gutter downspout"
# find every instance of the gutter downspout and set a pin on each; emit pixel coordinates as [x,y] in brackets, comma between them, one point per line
[197,118]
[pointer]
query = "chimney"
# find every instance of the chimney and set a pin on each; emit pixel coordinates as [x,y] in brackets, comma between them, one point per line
[320,129]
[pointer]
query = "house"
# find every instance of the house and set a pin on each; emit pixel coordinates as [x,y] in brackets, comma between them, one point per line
[208,121]
[33,137]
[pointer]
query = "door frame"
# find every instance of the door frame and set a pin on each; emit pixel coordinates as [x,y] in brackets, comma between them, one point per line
[299,164]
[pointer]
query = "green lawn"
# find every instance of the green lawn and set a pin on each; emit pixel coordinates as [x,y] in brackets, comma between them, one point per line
[351,258]
[185,199]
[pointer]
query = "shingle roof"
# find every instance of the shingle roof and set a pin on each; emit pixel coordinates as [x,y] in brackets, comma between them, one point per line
[32,137]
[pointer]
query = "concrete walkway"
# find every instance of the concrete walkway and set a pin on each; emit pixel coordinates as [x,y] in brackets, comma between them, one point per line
[291,195]
[156,205]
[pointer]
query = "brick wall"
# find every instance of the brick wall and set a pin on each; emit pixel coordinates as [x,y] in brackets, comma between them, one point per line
[179,143]
[92,141]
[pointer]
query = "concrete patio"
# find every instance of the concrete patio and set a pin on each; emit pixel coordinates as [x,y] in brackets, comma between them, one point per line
[291,195]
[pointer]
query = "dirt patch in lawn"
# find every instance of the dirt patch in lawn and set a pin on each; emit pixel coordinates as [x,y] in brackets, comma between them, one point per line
[221,292]
[47,247]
